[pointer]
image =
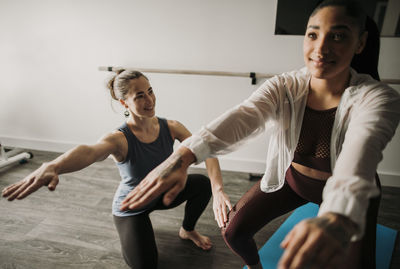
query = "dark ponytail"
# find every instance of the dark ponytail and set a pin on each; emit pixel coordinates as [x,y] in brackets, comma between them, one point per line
[367,61]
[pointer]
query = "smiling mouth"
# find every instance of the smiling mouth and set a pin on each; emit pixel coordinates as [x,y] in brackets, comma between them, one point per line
[321,62]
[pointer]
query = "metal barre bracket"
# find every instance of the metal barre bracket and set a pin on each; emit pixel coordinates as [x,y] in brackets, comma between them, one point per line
[253,78]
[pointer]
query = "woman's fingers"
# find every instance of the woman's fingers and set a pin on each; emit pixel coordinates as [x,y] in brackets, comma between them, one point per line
[37,184]
[308,252]
[224,216]
[45,175]
[53,183]
[228,203]
[150,189]
[221,222]
[169,177]
[287,239]
[138,191]
[19,188]
[219,217]
[221,202]
[308,245]
[296,241]
[27,190]
[10,189]
[172,193]
[135,198]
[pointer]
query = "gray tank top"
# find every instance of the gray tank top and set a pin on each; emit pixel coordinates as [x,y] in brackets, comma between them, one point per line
[140,160]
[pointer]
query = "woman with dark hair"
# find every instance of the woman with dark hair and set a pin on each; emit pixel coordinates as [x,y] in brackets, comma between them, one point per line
[137,147]
[329,125]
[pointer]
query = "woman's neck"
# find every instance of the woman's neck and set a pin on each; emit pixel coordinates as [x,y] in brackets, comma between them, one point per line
[326,93]
[142,124]
[331,86]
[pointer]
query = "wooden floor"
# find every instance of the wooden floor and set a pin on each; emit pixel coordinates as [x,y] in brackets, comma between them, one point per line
[73,228]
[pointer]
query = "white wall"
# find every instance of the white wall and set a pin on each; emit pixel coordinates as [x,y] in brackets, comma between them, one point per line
[53,96]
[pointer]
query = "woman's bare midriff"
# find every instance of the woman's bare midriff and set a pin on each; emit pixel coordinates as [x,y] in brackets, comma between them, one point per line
[310,172]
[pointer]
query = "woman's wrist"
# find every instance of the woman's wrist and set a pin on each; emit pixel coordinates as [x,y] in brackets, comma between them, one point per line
[186,156]
[216,188]
[338,226]
[53,165]
[178,160]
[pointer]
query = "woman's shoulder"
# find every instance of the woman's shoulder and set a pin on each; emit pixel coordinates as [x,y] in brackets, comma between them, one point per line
[297,76]
[295,81]
[166,123]
[366,93]
[118,141]
[174,125]
[178,130]
[116,137]
[364,85]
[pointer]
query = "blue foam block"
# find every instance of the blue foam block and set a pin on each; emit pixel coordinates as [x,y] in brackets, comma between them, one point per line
[271,252]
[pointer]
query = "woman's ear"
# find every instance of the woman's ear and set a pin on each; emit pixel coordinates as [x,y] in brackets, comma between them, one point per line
[362,42]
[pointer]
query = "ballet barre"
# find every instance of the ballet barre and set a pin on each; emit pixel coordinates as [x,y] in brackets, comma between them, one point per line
[252,75]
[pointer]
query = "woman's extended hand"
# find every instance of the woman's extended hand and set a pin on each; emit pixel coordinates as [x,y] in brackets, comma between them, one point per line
[169,177]
[220,202]
[319,242]
[45,175]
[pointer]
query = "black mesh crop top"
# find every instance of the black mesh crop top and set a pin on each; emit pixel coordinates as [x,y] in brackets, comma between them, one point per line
[313,148]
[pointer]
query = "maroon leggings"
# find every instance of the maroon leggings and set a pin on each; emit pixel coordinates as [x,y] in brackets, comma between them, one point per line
[256,209]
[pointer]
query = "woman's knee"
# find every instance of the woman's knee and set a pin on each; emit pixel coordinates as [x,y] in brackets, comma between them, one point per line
[227,235]
[234,238]
[201,183]
[232,233]
[137,240]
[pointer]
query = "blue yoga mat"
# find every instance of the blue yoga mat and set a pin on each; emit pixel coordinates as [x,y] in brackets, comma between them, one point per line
[271,252]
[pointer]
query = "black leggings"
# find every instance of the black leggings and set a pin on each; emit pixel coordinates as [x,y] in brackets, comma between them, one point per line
[136,234]
[256,208]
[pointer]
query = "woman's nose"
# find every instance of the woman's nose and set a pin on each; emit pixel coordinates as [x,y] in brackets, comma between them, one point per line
[148,98]
[322,46]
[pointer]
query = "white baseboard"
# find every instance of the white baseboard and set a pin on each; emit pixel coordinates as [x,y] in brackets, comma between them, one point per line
[239,165]
[226,163]
[389,180]
[36,144]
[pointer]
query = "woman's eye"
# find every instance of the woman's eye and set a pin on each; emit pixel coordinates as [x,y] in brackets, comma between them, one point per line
[138,96]
[338,36]
[150,91]
[312,35]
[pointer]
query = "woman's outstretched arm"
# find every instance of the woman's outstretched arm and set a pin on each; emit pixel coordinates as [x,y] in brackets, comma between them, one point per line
[73,160]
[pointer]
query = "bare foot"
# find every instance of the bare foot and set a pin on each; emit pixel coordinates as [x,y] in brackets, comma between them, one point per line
[200,240]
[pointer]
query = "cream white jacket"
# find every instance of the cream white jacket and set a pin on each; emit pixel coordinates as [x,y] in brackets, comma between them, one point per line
[365,121]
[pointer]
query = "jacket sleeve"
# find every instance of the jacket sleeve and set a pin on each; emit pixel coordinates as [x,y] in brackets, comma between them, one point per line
[238,124]
[372,125]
